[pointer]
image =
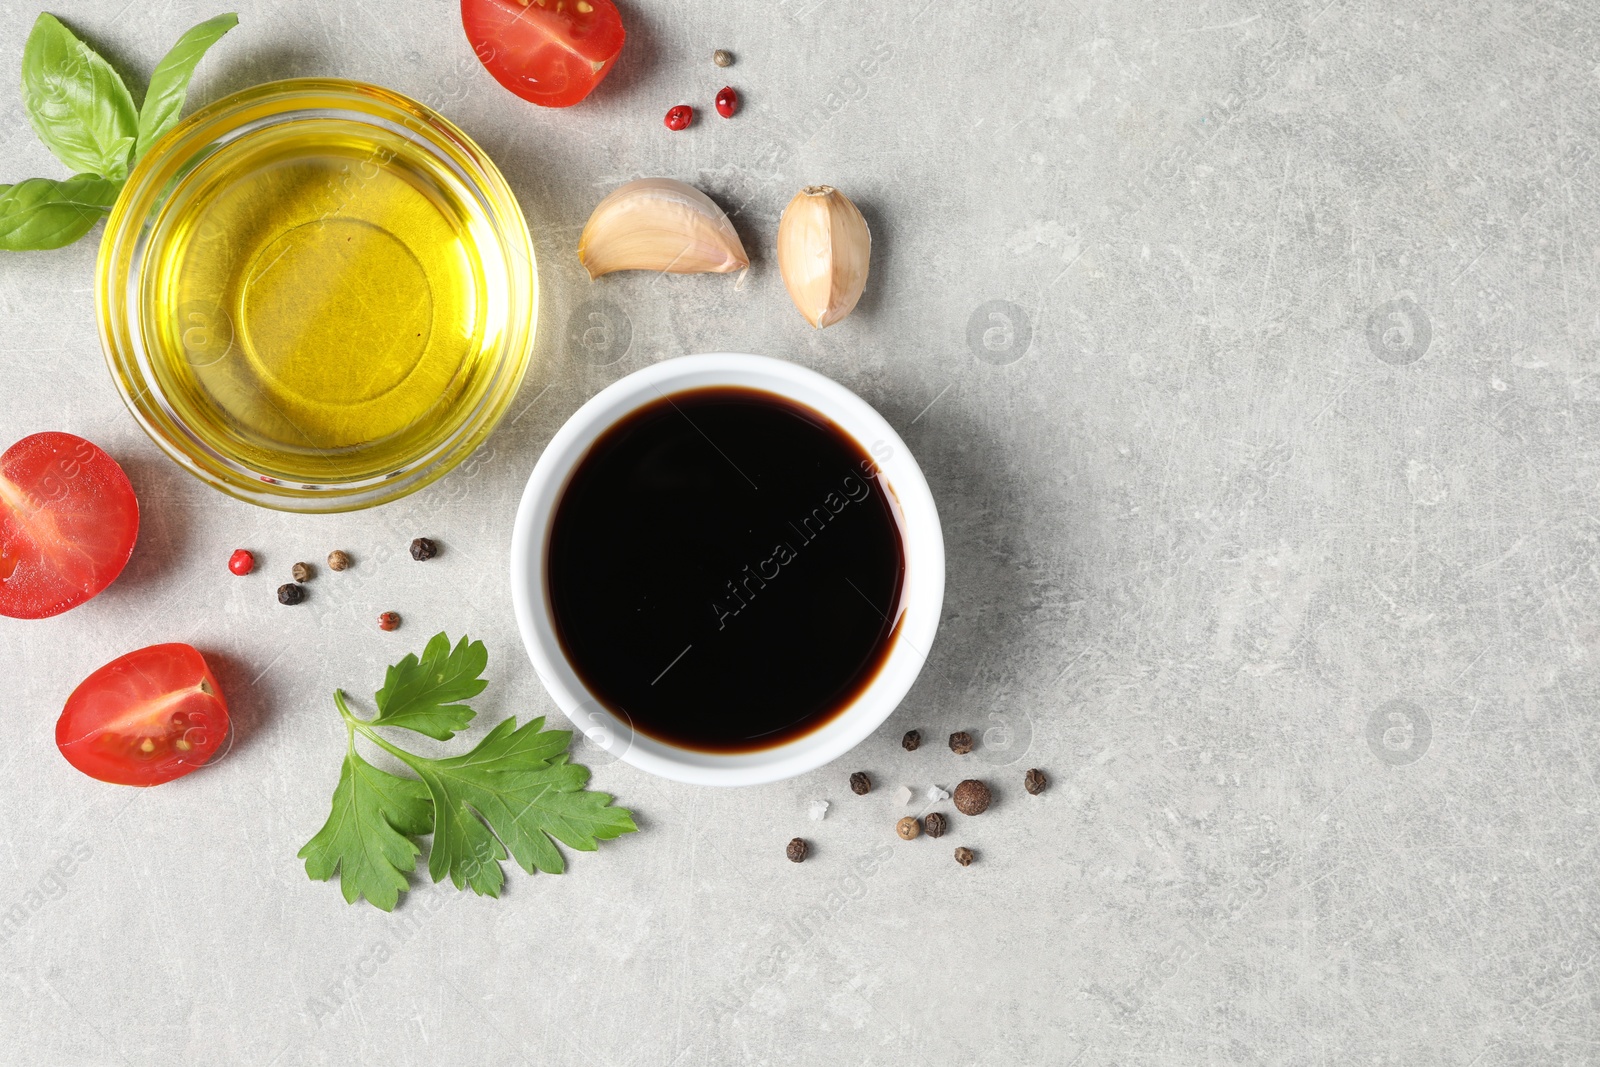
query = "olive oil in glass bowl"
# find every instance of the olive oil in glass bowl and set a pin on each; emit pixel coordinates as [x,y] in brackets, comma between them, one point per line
[317,295]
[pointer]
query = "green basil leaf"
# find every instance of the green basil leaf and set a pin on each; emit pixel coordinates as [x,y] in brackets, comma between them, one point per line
[170,82]
[76,102]
[43,213]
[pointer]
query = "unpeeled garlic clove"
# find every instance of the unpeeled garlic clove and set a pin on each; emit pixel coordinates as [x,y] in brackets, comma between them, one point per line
[662,225]
[823,248]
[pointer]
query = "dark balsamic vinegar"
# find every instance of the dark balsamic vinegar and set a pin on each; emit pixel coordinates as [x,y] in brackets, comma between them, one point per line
[725,569]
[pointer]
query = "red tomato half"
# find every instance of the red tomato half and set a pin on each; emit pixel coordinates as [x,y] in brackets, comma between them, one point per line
[552,52]
[68,521]
[147,718]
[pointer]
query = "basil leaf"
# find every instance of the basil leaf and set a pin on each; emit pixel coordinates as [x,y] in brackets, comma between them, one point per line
[43,213]
[76,102]
[170,82]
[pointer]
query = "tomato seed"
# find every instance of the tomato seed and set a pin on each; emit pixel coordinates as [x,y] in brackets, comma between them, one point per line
[678,118]
[727,102]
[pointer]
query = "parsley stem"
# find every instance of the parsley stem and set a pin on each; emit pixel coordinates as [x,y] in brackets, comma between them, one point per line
[344,709]
[401,754]
[356,725]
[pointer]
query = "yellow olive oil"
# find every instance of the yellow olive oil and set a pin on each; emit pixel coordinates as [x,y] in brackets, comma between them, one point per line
[318,301]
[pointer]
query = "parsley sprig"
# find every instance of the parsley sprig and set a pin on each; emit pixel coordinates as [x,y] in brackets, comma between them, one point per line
[513,793]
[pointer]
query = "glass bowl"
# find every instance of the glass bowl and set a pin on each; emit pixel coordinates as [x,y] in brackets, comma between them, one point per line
[317,295]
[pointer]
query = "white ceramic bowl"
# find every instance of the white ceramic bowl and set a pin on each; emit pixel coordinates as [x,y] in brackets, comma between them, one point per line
[921,602]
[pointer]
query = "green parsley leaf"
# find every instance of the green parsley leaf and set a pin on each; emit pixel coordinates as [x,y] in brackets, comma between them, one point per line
[513,791]
[42,213]
[76,101]
[163,101]
[517,784]
[422,695]
[462,847]
[365,838]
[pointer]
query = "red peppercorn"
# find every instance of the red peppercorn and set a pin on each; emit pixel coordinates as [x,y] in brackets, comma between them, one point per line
[243,561]
[389,620]
[678,118]
[727,102]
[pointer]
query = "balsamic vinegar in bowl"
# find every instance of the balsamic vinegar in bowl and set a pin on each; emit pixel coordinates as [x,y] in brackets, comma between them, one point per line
[725,569]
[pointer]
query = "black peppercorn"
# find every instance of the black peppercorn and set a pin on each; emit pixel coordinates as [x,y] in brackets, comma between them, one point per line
[935,825]
[964,857]
[796,850]
[1034,782]
[911,740]
[860,784]
[961,742]
[423,548]
[301,572]
[291,593]
[972,797]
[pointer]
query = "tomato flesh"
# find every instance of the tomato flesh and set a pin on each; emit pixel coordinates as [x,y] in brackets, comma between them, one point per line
[552,52]
[146,718]
[68,523]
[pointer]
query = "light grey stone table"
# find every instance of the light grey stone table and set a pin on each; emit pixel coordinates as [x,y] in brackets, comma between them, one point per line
[1251,351]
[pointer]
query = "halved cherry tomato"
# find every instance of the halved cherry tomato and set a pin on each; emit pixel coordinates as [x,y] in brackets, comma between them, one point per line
[552,52]
[147,718]
[68,522]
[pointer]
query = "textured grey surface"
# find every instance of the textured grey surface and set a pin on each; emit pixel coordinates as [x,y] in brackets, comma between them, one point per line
[1267,501]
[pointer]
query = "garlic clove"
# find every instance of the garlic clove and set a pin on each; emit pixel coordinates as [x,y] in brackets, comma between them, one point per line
[823,249]
[662,225]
